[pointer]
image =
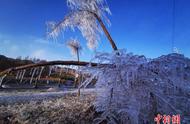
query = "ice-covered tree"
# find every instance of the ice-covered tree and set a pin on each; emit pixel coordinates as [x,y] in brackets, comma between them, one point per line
[75,47]
[89,17]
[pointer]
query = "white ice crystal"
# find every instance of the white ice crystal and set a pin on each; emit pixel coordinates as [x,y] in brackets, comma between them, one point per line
[74,45]
[135,89]
[82,17]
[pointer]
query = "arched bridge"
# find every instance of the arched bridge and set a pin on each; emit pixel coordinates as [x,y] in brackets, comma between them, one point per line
[42,71]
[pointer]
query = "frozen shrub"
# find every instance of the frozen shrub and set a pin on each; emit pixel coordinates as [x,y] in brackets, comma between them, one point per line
[134,89]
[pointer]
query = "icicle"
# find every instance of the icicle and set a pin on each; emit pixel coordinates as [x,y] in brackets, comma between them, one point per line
[60,72]
[2,78]
[67,70]
[37,71]
[31,71]
[32,75]
[20,74]
[17,75]
[47,81]
[37,74]
[42,68]
[59,81]
[50,71]
[23,73]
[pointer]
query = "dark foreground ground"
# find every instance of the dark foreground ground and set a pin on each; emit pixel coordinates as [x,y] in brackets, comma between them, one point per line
[44,107]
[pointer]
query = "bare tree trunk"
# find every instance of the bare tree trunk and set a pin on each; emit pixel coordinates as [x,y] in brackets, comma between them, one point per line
[78,55]
[105,31]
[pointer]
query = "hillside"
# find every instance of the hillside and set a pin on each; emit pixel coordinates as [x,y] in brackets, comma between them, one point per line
[6,62]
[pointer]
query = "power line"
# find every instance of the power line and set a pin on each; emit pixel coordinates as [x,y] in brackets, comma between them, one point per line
[173,24]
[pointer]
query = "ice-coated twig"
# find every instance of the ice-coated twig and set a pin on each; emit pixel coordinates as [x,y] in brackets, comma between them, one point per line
[84,15]
[75,47]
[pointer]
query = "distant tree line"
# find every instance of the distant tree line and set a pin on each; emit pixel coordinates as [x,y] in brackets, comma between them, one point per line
[33,59]
[6,62]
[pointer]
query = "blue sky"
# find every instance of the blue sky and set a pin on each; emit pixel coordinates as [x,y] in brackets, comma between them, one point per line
[141,26]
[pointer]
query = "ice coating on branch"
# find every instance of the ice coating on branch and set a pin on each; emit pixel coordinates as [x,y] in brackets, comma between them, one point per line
[98,6]
[82,18]
[134,89]
[1,79]
[74,45]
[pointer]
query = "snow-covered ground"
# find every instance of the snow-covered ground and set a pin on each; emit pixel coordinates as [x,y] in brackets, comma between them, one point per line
[23,97]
